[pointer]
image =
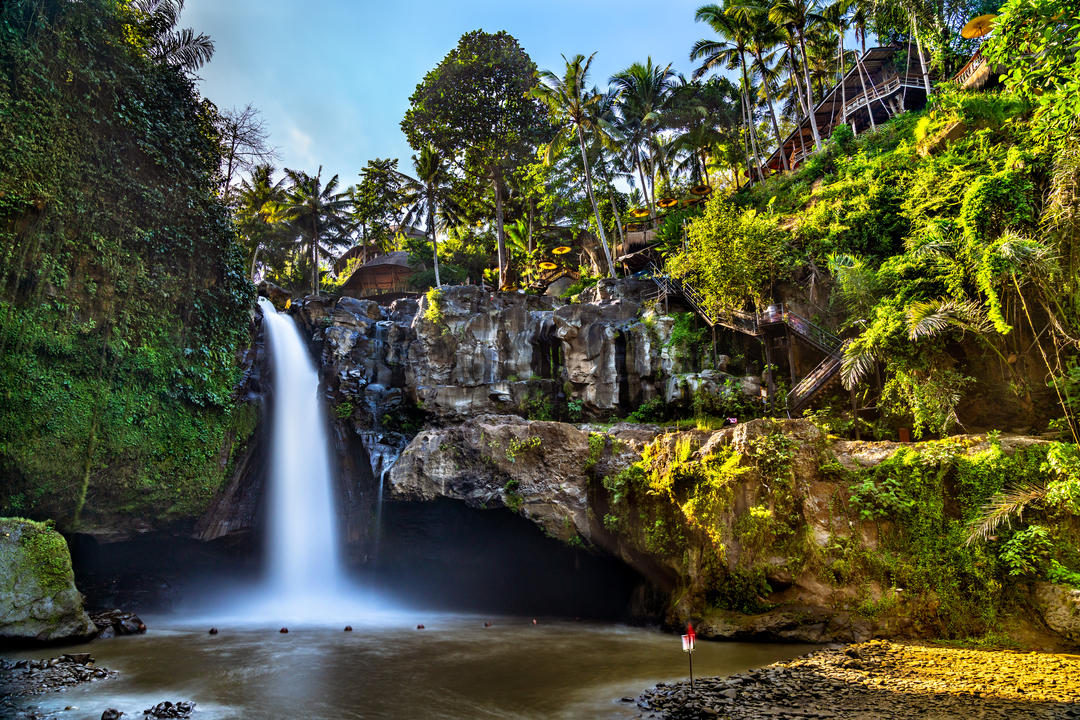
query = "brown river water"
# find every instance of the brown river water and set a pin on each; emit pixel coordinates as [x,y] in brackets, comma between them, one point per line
[455,669]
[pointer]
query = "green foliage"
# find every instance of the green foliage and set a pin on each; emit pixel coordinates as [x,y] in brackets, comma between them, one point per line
[433,312]
[123,291]
[585,281]
[597,447]
[652,410]
[343,410]
[732,256]
[512,498]
[1035,41]
[1027,553]
[520,445]
[686,336]
[744,591]
[538,405]
[924,499]
[46,554]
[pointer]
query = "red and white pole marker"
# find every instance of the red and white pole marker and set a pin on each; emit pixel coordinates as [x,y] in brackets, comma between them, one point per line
[688,648]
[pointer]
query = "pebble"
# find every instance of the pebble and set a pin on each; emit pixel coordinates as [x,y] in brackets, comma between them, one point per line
[881,680]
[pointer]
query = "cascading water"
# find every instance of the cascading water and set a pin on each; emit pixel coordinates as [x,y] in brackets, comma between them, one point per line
[305,581]
[303,554]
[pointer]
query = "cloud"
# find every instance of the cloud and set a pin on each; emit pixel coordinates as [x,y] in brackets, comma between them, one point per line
[297,151]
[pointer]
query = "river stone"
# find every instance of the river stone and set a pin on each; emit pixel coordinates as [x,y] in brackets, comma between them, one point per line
[1060,608]
[38,599]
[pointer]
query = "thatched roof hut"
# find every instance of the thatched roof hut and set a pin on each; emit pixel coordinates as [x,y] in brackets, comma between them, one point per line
[384,275]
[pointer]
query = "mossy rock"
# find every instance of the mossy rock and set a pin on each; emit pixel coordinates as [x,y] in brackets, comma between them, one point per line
[38,598]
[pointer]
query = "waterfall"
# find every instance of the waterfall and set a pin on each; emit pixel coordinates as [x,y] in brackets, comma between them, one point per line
[302,547]
[305,581]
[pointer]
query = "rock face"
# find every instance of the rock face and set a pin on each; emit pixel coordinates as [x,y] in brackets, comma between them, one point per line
[38,599]
[1060,608]
[537,469]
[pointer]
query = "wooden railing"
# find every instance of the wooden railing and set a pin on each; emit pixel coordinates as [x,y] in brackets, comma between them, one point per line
[879,91]
[806,389]
[803,393]
[970,68]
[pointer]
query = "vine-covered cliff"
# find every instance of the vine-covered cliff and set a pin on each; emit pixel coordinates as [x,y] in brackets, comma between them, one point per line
[123,300]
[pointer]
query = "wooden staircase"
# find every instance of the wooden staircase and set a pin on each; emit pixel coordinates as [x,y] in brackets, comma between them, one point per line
[813,384]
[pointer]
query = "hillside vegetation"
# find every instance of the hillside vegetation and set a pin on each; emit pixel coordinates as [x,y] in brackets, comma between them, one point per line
[123,299]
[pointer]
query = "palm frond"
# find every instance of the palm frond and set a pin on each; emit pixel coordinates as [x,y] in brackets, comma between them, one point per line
[1001,509]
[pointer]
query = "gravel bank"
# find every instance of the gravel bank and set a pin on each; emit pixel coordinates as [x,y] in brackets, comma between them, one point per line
[24,678]
[880,680]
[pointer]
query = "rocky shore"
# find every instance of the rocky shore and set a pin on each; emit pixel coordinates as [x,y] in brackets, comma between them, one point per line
[881,680]
[23,678]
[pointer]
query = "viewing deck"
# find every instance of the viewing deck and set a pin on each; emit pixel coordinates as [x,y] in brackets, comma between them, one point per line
[871,91]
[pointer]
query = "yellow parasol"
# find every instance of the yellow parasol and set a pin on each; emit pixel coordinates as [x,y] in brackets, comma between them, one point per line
[639,212]
[546,265]
[977,27]
[561,250]
[700,190]
[668,202]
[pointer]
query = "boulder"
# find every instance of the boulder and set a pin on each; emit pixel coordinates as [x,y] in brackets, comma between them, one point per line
[1059,606]
[38,599]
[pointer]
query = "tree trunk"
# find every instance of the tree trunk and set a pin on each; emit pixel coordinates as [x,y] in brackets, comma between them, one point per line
[641,176]
[431,229]
[615,213]
[772,113]
[922,61]
[809,93]
[254,259]
[750,118]
[862,81]
[843,94]
[532,211]
[315,258]
[592,200]
[500,238]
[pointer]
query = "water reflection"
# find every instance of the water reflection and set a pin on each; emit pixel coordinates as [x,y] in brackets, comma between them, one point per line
[453,669]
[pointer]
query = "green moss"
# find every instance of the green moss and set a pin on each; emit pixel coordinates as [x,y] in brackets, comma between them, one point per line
[45,553]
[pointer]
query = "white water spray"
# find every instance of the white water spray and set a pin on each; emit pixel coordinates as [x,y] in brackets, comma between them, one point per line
[304,560]
[305,582]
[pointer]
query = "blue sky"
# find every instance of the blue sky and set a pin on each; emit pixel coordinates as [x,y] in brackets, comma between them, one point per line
[333,78]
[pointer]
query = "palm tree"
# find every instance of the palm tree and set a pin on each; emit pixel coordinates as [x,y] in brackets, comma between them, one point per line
[799,15]
[315,209]
[763,39]
[569,103]
[258,213]
[182,48]
[836,19]
[731,51]
[428,192]
[643,94]
[610,161]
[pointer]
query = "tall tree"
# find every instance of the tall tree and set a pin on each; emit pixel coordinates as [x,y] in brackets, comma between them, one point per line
[182,48]
[427,193]
[570,105]
[799,15]
[244,144]
[374,205]
[643,93]
[316,209]
[730,50]
[475,108]
[259,218]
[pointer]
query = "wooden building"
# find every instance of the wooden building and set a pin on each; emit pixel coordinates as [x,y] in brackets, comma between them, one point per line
[387,274]
[873,90]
